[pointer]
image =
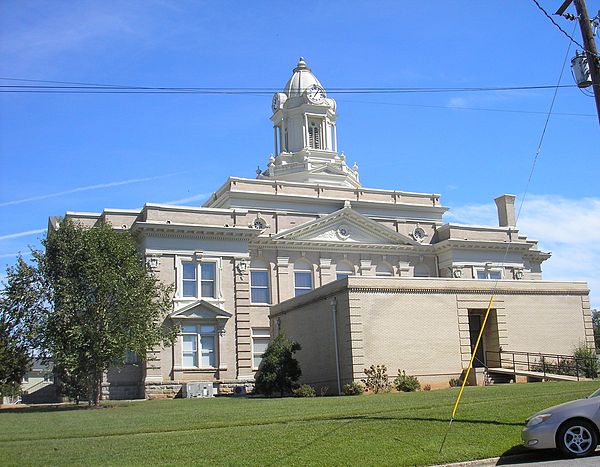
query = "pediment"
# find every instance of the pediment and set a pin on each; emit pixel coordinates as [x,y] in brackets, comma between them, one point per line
[201,309]
[327,169]
[345,226]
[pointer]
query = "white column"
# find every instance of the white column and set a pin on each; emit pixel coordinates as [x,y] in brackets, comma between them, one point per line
[275,140]
[305,131]
[334,136]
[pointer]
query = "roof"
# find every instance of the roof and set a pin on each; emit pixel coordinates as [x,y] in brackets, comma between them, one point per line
[301,79]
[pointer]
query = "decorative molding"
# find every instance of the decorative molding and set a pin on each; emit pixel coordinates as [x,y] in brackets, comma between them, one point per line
[443,291]
[152,262]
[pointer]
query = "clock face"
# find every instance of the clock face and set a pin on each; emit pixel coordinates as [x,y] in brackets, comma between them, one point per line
[315,94]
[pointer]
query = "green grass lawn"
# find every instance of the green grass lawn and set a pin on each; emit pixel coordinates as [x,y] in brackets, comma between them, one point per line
[388,429]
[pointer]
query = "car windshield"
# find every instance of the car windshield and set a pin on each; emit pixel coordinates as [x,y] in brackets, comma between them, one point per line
[596,393]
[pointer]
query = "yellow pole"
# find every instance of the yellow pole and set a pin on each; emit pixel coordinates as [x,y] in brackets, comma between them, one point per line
[462,388]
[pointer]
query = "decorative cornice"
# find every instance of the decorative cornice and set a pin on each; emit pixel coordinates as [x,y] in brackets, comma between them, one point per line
[162,229]
[297,245]
[470,291]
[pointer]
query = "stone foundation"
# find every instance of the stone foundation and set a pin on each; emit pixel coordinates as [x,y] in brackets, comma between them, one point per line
[172,389]
[112,391]
[236,388]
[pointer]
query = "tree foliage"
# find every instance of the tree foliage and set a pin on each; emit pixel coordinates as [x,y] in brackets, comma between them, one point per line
[93,300]
[279,370]
[596,324]
[16,301]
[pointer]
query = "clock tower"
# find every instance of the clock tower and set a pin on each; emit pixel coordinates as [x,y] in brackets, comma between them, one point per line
[305,135]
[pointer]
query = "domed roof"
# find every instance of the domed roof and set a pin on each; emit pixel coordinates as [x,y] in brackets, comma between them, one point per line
[301,79]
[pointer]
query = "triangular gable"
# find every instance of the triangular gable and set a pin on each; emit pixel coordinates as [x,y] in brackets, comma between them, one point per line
[201,309]
[327,169]
[347,226]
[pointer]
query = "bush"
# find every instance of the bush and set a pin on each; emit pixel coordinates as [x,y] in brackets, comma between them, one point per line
[376,379]
[353,389]
[406,383]
[456,382]
[304,390]
[427,387]
[278,370]
[587,361]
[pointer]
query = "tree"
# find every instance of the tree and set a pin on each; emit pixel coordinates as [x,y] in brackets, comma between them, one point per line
[596,324]
[15,329]
[93,300]
[278,370]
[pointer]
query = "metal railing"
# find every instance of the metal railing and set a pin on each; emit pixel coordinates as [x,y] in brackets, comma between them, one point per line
[546,364]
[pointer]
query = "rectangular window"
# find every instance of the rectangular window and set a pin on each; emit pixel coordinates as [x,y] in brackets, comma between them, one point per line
[190,279]
[199,280]
[260,342]
[302,282]
[199,344]
[259,286]
[487,274]
[208,272]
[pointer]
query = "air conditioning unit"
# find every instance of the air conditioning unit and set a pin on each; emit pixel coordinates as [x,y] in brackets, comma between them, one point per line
[198,389]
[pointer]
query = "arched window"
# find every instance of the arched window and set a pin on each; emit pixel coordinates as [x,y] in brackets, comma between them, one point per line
[314,135]
[303,278]
[259,282]
[384,270]
[343,269]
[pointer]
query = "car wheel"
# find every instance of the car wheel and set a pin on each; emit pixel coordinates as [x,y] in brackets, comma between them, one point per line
[577,438]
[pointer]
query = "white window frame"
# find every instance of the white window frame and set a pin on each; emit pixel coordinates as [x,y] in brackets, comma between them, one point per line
[309,270]
[198,341]
[198,262]
[267,271]
[487,271]
[259,333]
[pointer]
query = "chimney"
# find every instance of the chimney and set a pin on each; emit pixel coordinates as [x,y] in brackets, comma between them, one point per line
[506,210]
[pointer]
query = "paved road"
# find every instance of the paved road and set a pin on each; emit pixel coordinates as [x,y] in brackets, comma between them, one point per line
[551,458]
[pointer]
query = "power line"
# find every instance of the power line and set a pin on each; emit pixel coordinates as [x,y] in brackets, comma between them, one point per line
[113,89]
[570,36]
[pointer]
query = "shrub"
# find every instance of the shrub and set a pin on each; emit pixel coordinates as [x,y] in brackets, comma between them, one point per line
[587,361]
[376,379]
[353,389]
[279,369]
[456,382]
[323,390]
[427,387]
[304,390]
[406,383]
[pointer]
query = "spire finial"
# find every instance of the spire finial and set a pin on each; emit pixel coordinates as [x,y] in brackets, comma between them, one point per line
[301,65]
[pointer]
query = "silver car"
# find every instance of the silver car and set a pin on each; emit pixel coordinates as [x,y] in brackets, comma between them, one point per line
[572,427]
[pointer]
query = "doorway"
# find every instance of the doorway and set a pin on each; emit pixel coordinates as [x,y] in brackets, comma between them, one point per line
[487,352]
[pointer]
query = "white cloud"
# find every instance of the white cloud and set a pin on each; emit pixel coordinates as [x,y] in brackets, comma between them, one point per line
[569,228]
[200,196]
[457,102]
[86,188]
[21,234]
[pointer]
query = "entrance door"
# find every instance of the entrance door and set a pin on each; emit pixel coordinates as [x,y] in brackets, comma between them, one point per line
[475,321]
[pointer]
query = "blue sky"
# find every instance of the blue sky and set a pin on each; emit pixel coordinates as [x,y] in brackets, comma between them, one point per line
[86,152]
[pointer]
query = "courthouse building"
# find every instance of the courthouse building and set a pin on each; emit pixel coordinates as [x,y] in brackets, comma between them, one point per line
[357,275]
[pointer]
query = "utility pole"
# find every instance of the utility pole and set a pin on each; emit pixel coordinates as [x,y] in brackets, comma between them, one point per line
[589,43]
